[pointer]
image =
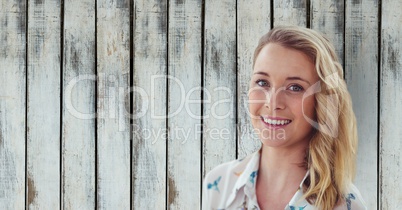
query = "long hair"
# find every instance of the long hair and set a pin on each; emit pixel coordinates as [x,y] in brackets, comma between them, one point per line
[332,151]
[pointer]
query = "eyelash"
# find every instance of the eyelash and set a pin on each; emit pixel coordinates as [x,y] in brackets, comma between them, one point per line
[299,88]
[261,80]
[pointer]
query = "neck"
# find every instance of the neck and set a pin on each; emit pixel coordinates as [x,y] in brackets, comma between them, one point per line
[281,168]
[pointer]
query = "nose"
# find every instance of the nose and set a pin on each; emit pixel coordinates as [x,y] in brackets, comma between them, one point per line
[275,98]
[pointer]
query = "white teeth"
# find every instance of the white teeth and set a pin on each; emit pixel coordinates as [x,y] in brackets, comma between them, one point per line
[276,122]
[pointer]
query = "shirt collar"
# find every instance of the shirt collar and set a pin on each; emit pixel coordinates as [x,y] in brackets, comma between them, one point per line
[248,170]
[249,174]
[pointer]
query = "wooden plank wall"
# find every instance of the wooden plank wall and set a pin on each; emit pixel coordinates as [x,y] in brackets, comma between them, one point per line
[113,137]
[361,73]
[185,71]
[390,86]
[119,104]
[78,132]
[149,149]
[13,64]
[43,79]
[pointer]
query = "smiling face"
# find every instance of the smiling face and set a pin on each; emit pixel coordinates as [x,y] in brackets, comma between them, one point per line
[278,106]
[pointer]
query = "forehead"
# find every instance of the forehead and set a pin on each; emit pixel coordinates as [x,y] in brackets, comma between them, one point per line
[276,59]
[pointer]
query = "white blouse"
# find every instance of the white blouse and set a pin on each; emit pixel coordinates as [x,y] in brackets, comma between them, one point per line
[232,186]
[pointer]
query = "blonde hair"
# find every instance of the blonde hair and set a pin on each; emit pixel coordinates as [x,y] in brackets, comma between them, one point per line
[332,150]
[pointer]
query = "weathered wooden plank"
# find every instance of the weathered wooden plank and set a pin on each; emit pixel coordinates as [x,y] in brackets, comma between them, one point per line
[12,104]
[361,74]
[390,106]
[78,125]
[328,18]
[43,122]
[290,12]
[113,60]
[184,142]
[253,20]
[219,124]
[149,101]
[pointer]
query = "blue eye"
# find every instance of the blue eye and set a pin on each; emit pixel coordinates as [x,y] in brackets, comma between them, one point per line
[296,88]
[262,83]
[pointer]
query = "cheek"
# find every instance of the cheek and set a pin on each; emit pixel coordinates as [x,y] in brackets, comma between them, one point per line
[309,106]
[256,100]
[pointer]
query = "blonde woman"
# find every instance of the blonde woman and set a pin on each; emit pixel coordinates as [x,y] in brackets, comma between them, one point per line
[302,112]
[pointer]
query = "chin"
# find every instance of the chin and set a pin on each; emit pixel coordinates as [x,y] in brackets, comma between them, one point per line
[270,137]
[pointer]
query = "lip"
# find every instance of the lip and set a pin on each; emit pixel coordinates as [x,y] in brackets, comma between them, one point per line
[270,126]
[274,118]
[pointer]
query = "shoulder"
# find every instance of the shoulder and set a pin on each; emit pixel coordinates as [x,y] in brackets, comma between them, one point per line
[220,184]
[352,200]
[228,169]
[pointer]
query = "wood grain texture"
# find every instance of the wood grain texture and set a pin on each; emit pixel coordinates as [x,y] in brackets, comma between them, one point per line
[78,114]
[184,143]
[253,20]
[43,121]
[12,104]
[361,74]
[149,101]
[390,106]
[113,60]
[219,124]
[290,12]
[328,18]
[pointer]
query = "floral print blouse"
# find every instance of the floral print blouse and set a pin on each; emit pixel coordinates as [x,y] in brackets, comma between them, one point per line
[232,186]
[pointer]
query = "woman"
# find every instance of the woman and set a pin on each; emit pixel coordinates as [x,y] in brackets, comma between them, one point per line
[302,112]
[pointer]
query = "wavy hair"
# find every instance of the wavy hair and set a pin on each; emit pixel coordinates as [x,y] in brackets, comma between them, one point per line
[332,150]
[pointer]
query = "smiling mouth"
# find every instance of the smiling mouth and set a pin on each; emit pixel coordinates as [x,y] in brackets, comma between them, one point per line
[277,122]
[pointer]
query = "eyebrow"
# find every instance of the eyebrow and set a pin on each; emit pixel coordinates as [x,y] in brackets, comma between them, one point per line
[288,78]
